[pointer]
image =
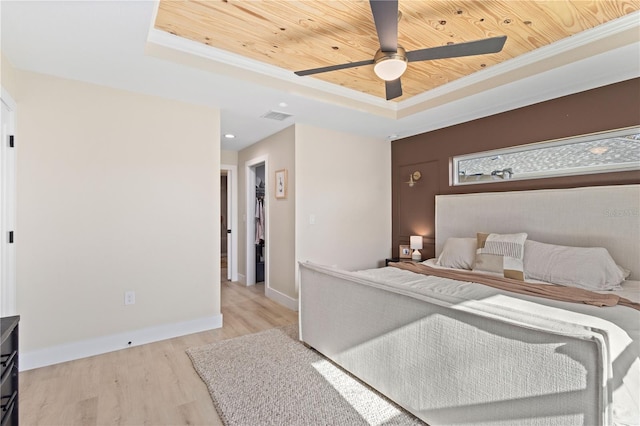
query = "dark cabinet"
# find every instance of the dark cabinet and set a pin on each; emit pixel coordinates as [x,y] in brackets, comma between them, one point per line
[9,370]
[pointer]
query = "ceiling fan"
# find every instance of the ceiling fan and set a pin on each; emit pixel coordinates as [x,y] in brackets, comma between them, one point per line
[390,61]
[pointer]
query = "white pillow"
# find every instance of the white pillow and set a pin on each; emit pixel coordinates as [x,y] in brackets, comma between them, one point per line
[502,253]
[591,268]
[459,253]
[625,272]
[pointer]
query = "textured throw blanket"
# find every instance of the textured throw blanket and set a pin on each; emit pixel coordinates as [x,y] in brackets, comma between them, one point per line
[549,291]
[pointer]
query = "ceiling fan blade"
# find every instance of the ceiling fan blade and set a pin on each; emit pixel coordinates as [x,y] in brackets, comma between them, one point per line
[470,48]
[334,67]
[393,89]
[385,16]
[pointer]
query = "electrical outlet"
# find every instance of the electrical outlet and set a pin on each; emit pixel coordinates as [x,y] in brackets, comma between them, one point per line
[129,297]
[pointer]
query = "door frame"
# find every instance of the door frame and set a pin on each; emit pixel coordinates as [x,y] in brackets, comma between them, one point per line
[250,190]
[232,220]
[8,158]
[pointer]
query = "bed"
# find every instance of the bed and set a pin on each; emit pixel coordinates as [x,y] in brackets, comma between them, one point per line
[451,351]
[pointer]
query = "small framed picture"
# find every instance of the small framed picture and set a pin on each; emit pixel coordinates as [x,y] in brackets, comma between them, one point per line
[405,252]
[281,183]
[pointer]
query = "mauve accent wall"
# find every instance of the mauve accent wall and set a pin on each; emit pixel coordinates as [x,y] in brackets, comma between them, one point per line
[605,108]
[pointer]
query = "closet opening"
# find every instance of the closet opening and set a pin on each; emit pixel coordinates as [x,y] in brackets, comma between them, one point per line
[257,222]
[260,224]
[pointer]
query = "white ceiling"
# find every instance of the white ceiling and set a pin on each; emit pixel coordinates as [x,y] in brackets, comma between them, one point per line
[112,43]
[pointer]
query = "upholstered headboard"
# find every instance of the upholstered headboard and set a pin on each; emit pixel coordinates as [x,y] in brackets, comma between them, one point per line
[602,216]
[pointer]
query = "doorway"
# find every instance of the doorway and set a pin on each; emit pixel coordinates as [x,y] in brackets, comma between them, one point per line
[260,240]
[228,223]
[8,207]
[224,227]
[257,223]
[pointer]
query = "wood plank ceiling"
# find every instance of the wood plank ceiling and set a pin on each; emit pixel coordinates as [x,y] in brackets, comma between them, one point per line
[302,34]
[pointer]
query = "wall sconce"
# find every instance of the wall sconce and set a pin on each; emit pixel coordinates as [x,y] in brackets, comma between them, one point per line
[416,245]
[413,178]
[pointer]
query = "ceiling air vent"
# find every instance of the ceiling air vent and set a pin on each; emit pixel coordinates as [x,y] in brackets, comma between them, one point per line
[276,115]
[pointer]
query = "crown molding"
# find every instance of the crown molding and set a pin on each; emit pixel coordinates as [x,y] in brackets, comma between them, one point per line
[229,63]
[604,38]
[611,35]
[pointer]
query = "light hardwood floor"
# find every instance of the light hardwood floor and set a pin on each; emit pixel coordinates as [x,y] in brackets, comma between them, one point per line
[153,384]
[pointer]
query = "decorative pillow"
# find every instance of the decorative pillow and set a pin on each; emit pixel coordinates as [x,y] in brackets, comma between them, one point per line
[502,253]
[591,268]
[459,253]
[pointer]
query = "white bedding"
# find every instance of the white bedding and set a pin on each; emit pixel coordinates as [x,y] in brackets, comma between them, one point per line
[460,353]
[630,289]
[620,325]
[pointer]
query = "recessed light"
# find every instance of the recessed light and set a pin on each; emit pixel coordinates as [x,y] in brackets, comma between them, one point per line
[283,104]
[229,135]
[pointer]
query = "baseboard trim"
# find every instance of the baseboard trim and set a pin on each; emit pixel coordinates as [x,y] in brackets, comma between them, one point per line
[100,345]
[282,299]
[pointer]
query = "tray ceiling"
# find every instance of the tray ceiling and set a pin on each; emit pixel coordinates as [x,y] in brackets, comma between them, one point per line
[298,35]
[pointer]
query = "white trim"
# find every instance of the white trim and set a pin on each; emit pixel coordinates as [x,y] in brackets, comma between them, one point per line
[242,279]
[100,345]
[7,99]
[220,56]
[250,173]
[8,164]
[283,299]
[232,188]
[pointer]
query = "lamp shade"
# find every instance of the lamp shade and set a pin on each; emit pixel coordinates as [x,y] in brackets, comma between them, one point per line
[416,245]
[416,242]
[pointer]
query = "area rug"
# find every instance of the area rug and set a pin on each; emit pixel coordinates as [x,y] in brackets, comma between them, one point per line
[270,378]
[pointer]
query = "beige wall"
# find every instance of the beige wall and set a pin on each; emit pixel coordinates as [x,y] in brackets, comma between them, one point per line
[344,181]
[116,191]
[229,157]
[8,75]
[280,213]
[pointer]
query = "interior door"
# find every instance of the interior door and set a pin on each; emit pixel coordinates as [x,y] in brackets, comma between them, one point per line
[228,229]
[7,210]
[224,215]
[229,207]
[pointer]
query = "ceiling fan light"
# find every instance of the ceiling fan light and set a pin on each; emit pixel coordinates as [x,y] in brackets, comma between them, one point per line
[390,66]
[390,69]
